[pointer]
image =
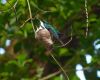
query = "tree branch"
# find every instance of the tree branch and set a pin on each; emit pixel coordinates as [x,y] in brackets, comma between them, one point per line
[10,7]
[50,76]
[58,72]
[87,21]
[25,22]
[60,66]
[30,15]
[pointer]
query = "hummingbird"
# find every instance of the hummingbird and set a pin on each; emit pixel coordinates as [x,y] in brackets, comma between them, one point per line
[51,31]
[56,34]
[43,35]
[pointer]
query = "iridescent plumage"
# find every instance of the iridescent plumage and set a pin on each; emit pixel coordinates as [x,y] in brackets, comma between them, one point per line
[52,30]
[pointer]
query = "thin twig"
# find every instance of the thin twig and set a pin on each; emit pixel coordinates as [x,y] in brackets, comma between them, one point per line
[30,15]
[69,39]
[28,20]
[64,44]
[87,21]
[43,11]
[50,76]
[59,66]
[10,7]
[58,72]
[15,14]
[25,22]
[14,8]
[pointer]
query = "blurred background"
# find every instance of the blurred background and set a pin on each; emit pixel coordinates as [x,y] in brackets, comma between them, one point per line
[22,57]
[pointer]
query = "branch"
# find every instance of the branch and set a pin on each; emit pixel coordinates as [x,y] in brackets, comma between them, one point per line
[13,7]
[87,21]
[25,22]
[50,76]
[58,72]
[64,44]
[41,10]
[10,7]
[59,66]
[30,15]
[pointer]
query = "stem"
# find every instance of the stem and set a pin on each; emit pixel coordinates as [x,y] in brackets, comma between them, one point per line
[58,72]
[59,65]
[13,7]
[15,14]
[87,21]
[64,44]
[25,22]
[50,76]
[10,7]
[30,15]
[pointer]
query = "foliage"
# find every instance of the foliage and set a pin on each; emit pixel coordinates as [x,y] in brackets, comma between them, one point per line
[25,57]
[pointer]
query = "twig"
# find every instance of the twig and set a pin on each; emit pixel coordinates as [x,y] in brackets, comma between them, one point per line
[50,76]
[43,11]
[87,21]
[30,15]
[13,7]
[58,72]
[15,14]
[10,8]
[28,20]
[25,22]
[67,41]
[59,66]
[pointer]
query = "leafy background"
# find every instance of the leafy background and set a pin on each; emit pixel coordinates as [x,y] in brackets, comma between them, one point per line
[24,58]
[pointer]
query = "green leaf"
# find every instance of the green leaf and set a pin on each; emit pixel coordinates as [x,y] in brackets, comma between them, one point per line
[63,52]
